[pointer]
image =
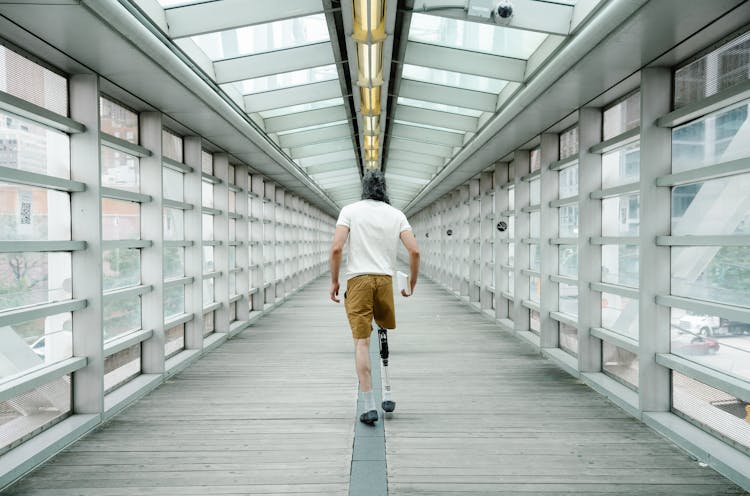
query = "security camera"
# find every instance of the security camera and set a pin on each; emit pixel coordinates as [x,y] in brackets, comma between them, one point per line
[504,11]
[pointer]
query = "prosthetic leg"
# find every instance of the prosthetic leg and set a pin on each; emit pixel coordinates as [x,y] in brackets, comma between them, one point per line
[388,404]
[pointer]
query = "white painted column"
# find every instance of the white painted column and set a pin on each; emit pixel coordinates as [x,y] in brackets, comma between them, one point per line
[194,233]
[501,244]
[521,167]
[243,238]
[256,240]
[550,228]
[221,234]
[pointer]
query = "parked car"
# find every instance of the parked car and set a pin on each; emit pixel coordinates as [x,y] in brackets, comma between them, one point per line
[685,343]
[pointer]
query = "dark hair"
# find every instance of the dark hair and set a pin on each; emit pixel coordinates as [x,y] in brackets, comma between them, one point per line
[373,186]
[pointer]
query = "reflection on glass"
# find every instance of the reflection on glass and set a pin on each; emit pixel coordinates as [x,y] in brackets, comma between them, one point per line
[33,214]
[534,322]
[715,207]
[449,78]
[174,185]
[454,33]
[174,262]
[118,121]
[568,299]
[174,224]
[121,315]
[289,79]
[439,106]
[621,166]
[120,219]
[621,215]
[208,259]
[33,278]
[568,143]
[623,116]
[171,145]
[620,364]
[568,336]
[535,159]
[121,367]
[174,340]
[714,273]
[620,265]
[174,301]
[568,260]
[121,268]
[207,194]
[568,185]
[720,412]
[208,291]
[719,137]
[46,88]
[303,107]
[719,343]
[33,343]
[568,215]
[120,170]
[209,325]
[30,147]
[620,314]
[535,288]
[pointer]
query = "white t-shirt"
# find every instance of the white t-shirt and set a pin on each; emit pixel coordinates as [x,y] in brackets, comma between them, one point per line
[374,233]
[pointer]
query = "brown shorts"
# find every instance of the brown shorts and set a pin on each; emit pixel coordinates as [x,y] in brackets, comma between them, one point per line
[367,297]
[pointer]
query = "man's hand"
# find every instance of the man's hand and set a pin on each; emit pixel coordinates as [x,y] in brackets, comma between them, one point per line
[335,291]
[411,290]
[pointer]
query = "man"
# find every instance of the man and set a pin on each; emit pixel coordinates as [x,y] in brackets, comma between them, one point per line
[374,229]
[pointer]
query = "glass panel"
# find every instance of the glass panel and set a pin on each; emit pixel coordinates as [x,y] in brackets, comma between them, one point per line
[620,364]
[232,229]
[208,291]
[620,314]
[121,267]
[233,312]
[568,260]
[120,170]
[29,147]
[122,367]
[568,299]
[33,214]
[535,159]
[718,137]
[534,322]
[118,121]
[715,342]
[457,79]
[121,315]
[719,274]
[207,162]
[171,145]
[174,340]
[208,259]
[622,116]
[716,207]
[535,192]
[511,254]
[303,107]
[621,215]
[511,283]
[427,126]
[23,416]
[289,79]
[174,185]
[621,166]
[721,69]
[568,339]
[207,192]
[454,33]
[174,224]
[232,284]
[568,143]
[208,227]
[120,219]
[511,198]
[31,344]
[32,82]
[568,185]
[534,258]
[712,409]
[568,221]
[620,265]
[174,301]
[33,278]
[439,106]
[266,37]
[535,286]
[232,201]
[232,257]
[174,262]
[534,227]
[208,324]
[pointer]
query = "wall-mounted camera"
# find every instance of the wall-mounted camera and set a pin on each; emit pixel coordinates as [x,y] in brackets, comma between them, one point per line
[503,12]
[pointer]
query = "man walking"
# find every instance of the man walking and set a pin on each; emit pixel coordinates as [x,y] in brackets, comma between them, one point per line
[374,229]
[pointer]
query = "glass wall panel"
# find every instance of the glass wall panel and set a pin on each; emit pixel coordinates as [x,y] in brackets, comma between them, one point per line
[120,170]
[568,143]
[121,267]
[34,343]
[118,121]
[568,185]
[174,224]
[174,340]
[534,258]
[33,148]
[568,299]
[535,286]
[34,278]
[621,215]
[534,322]
[568,260]
[174,262]
[620,265]
[535,192]
[620,314]
[620,364]
[120,219]
[622,116]
[171,145]
[33,214]
[174,301]
[621,166]
[122,367]
[714,273]
[174,188]
[568,221]
[121,315]
[568,336]
[715,207]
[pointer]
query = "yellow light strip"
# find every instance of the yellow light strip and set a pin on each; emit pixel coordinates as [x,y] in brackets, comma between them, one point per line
[369,26]
[370,101]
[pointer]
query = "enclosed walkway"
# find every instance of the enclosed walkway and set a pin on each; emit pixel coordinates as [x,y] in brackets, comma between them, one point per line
[273,412]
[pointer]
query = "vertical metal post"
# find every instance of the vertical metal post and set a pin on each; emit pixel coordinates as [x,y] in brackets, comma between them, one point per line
[152,258]
[521,166]
[256,238]
[486,233]
[194,232]
[221,234]
[501,237]
[589,224]
[549,228]
[269,242]
[654,278]
[86,212]
[241,200]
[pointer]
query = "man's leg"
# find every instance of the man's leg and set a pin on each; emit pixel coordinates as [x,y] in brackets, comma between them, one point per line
[362,361]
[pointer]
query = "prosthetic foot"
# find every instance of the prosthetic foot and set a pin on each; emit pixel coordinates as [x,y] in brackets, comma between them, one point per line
[388,404]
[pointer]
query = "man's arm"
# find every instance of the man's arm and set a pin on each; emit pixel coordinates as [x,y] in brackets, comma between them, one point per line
[410,242]
[339,240]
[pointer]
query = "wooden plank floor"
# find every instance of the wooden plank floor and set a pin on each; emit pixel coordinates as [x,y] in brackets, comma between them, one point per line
[269,412]
[272,412]
[478,412]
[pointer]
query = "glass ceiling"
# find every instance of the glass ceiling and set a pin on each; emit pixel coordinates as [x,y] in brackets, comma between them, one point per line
[277,60]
